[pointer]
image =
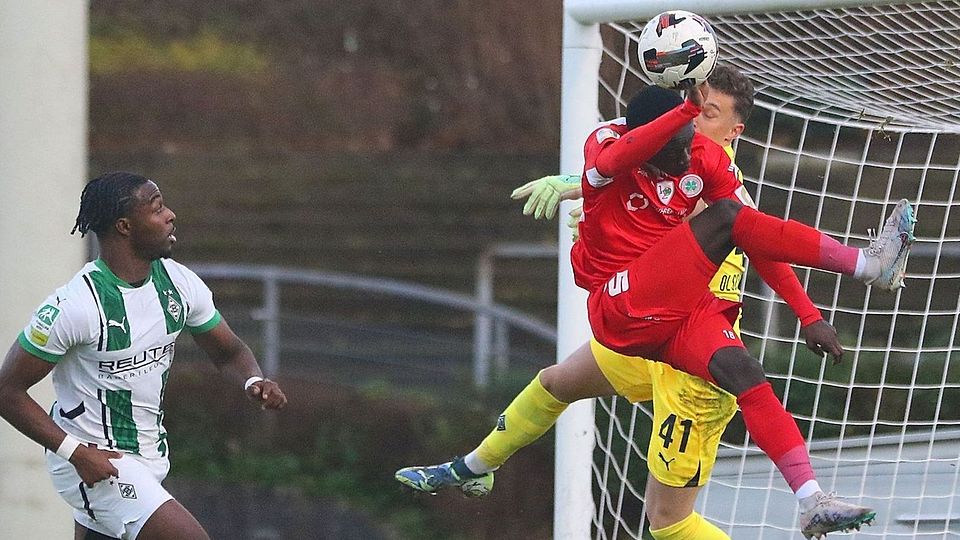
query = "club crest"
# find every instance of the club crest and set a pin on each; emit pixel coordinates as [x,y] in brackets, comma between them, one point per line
[691,185]
[665,191]
[127,491]
[173,307]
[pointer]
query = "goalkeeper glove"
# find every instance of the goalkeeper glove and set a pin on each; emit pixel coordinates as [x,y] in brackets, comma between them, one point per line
[546,193]
[573,221]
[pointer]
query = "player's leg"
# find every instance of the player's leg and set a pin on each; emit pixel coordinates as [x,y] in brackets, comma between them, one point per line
[727,223]
[534,411]
[109,506]
[667,505]
[671,514]
[776,433]
[169,522]
[578,377]
[670,509]
[172,522]
[690,416]
[121,507]
[82,533]
[631,377]
[709,338]
[771,426]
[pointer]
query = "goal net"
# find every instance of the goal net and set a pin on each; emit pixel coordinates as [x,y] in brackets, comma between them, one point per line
[856,107]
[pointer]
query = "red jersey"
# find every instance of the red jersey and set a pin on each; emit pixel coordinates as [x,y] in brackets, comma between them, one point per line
[626,214]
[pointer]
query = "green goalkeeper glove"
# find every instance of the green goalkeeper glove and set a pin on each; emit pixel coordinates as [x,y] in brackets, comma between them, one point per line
[546,193]
[573,221]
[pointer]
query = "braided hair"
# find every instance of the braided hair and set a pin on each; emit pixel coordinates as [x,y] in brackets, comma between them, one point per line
[106,199]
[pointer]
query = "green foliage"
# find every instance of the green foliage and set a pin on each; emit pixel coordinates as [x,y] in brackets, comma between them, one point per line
[332,443]
[206,51]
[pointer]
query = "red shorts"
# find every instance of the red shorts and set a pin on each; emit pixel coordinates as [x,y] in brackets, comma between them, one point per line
[660,307]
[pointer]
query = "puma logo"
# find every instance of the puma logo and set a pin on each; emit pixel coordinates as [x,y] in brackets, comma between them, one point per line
[664,460]
[118,324]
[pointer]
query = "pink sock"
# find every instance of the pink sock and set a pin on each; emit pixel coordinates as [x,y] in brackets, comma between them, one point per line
[792,242]
[837,257]
[776,433]
[795,467]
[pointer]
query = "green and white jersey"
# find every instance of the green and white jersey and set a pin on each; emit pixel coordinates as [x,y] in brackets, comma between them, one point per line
[113,346]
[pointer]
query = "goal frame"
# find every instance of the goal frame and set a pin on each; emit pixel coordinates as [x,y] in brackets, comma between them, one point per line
[579,113]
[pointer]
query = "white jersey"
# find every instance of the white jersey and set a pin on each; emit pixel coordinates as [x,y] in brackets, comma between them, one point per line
[113,346]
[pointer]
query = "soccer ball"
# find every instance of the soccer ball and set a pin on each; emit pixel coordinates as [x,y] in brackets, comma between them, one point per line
[677,49]
[478,487]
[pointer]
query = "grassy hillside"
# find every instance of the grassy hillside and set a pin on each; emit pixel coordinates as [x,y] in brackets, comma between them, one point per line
[326,75]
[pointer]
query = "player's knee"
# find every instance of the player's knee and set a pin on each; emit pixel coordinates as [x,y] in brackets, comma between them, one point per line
[664,513]
[550,379]
[713,228]
[724,212]
[560,382]
[735,370]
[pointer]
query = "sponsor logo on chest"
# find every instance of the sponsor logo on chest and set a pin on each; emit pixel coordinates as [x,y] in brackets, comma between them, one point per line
[136,365]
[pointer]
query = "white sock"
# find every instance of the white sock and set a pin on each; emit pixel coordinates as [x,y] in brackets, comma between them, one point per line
[860,271]
[476,465]
[808,489]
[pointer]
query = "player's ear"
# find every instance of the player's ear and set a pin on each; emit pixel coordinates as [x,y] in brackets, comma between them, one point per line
[735,132]
[122,226]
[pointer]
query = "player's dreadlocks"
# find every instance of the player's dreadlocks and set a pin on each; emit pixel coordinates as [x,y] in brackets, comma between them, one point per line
[105,199]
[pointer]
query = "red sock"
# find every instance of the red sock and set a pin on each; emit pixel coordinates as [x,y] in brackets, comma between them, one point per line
[792,242]
[776,433]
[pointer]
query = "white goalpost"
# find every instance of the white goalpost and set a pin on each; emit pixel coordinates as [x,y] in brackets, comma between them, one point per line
[857,105]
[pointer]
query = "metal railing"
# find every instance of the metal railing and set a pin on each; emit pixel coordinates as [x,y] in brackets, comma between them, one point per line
[491,337]
[272,277]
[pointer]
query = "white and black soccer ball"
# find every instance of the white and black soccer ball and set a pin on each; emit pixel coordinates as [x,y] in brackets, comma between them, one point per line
[478,487]
[677,49]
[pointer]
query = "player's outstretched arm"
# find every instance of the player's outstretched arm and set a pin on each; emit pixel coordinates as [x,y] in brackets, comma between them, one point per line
[641,143]
[236,361]
[544,194]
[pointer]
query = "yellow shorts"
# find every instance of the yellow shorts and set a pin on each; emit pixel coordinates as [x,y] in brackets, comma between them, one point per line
[689,414]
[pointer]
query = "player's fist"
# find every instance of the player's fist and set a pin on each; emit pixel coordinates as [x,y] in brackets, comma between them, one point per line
[698,94]
[93,464]
[267,394]
[822,339]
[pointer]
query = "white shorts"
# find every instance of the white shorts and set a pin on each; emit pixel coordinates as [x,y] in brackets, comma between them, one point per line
[117,507]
